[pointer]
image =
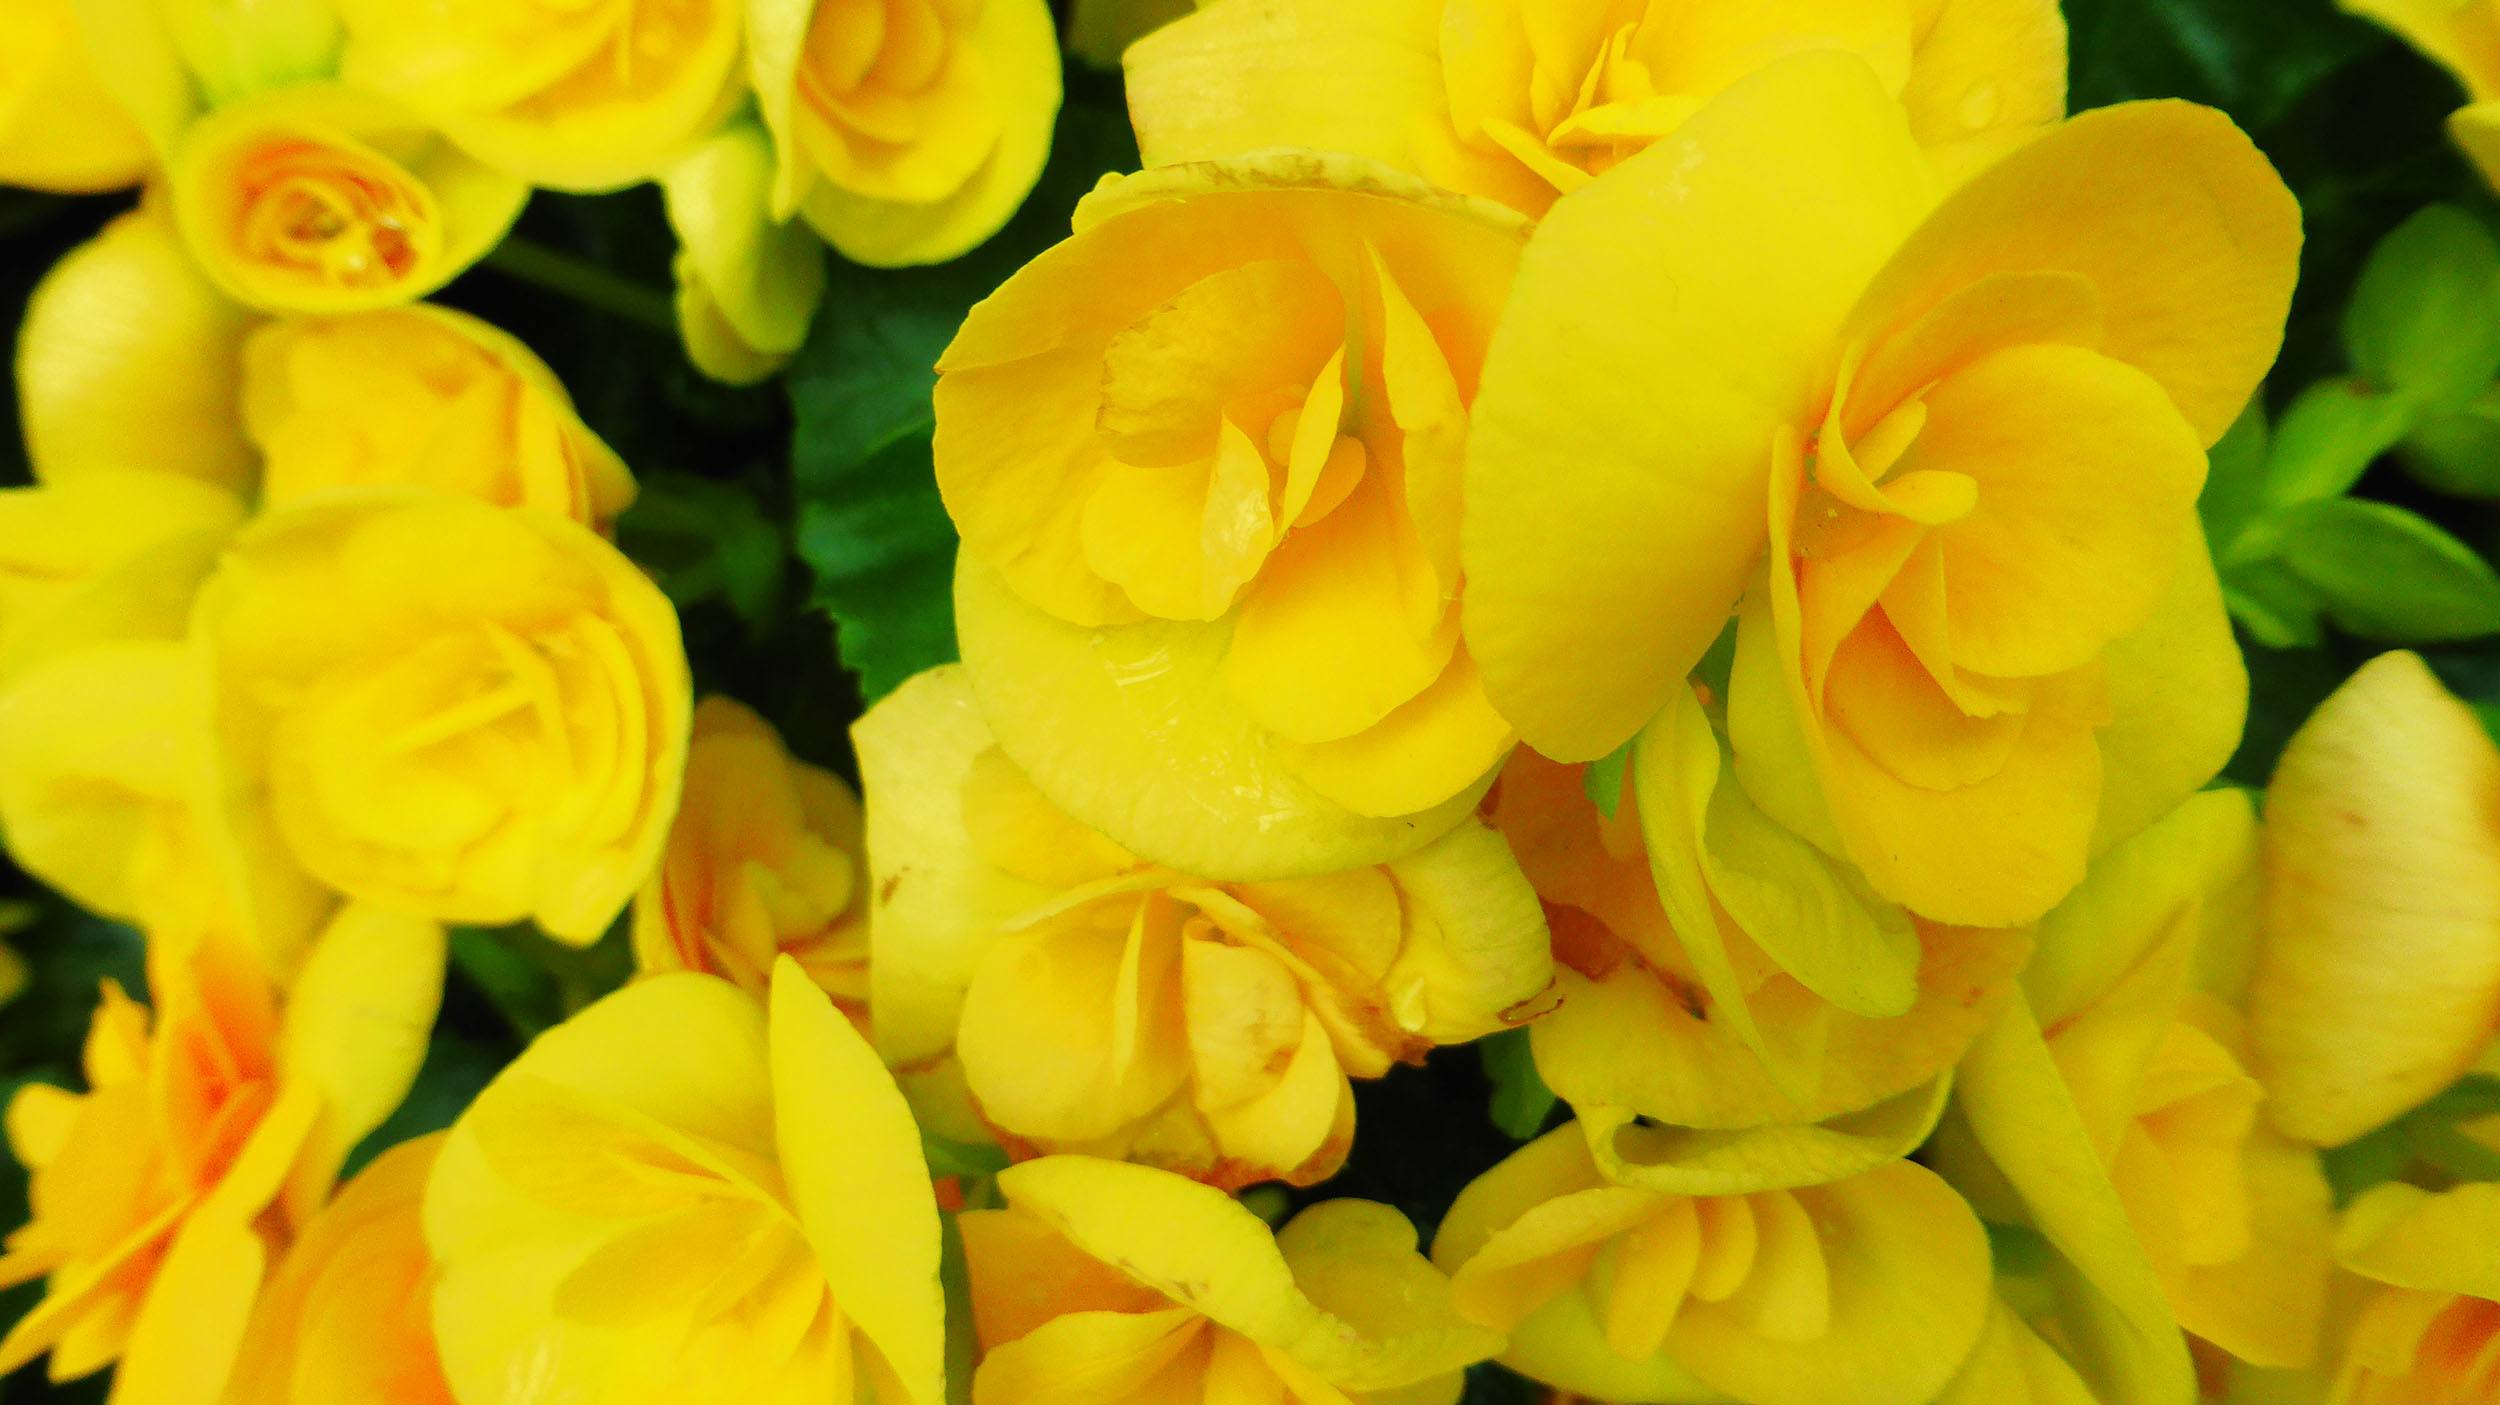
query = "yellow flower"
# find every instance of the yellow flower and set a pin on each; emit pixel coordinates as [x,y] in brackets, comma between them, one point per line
[129,358]
[347,1314]
[1720,973]
[763,860]
[475,713]
[748,282]
[2015,1365]
[160,1194]
[2378,981]
[1522,101]
[907,134]
[60,126]
[427,396]
[2426,1330]
[2462,36]
[1101,1004]
[1988,640]
[1205,458]
[574,96]
[680,1194]
[1123,1285]
[1871,1289]
[327,198]
[2133,1111]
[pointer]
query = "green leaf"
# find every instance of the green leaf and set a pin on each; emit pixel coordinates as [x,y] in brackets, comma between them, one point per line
[970,1159]
[1521,1101]
[2458,451]
[705,540]
[2272,604]
[2251,58]
[870,523]
[1604,779]
[2384,573]
[2425,316]
[2235,477]
[2329,437]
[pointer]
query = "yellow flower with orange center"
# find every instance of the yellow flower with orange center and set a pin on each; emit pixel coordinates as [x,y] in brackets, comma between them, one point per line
[328,198]
[206,1136]
[1088,1001]
[2428,1332]
[1524,101]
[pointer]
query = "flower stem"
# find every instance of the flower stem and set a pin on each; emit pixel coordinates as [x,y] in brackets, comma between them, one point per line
[584,282]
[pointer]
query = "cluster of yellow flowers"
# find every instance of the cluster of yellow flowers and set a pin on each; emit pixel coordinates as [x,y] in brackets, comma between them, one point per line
[1666,524]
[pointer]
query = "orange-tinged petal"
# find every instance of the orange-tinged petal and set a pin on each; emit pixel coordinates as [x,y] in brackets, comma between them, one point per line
[2378,980]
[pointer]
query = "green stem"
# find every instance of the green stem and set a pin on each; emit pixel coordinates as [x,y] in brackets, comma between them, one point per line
[584,282]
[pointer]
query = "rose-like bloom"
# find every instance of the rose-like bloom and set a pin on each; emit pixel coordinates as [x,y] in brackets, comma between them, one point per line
[426,396]
[571,95]
[129,358]
[347,1316]
[1718,972]
[60,126]
[2113,1110]
[328,198]
[763,860]
[2462,36]
[204,1138]
[1205,458]
[907,132]
[2427,1326]
[103,553]
[1523,101]
[681,1194]
[1115,1284]
[748,283]
[2378,980]
[475,713]
[1870,1289]
[1101,1004]
[1989,640]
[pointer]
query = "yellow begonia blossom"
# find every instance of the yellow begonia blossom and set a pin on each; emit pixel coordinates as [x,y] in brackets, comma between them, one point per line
[1205,458]
[327,198]
[763,859]
[475,713]
[2462,36]
[680,1194]
[1871,1289]
[581,97]
[1963,425]
[906,133]
[60,126]
[2014,1365]
[1098,1003]
[205,1138]
[2428,1330]
[129,358]
[748,282]
[426,396]
[1114,1284]
[1717,973]
[2378,980]
[348,1314]
[2231,1217]
[1522,101]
